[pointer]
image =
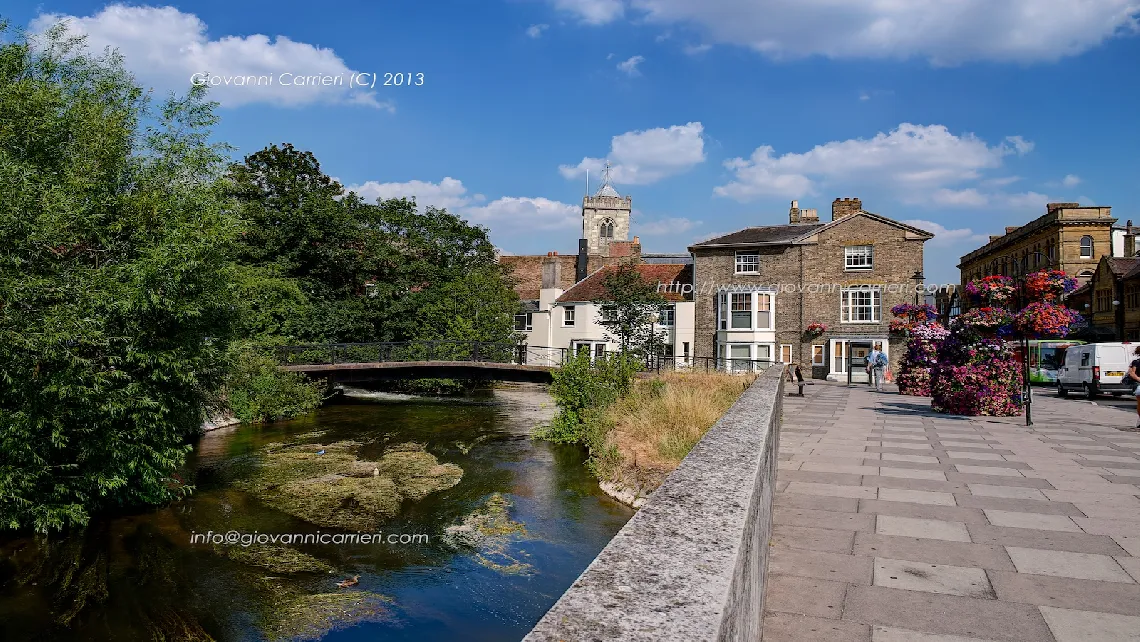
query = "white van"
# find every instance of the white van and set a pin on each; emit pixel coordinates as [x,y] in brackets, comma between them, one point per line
[1095,368]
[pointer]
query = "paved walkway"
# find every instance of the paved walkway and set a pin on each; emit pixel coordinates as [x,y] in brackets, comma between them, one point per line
[894,523]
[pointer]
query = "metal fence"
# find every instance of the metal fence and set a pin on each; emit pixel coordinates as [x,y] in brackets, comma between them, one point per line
[387,351]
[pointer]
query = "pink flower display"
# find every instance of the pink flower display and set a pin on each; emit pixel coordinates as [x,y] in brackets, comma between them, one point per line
[1049,285]
[1047,320]
[918,322]
[991,289]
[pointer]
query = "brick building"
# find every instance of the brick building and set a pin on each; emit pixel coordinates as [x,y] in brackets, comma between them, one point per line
[1067,237]
[759,288]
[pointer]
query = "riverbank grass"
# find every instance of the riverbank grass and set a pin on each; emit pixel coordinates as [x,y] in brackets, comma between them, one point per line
[645,434]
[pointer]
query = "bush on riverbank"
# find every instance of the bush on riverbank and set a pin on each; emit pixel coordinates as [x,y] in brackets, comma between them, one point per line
[256,391]
[636,432]
[583,388]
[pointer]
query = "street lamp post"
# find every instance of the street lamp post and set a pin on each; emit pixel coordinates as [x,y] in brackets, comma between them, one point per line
[917,278]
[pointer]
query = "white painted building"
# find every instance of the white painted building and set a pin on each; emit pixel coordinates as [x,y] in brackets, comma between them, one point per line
[569,320]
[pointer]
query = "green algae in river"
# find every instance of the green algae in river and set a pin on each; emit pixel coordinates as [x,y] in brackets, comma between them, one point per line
[337,490]
[490,529]
[292,615]
[275,559]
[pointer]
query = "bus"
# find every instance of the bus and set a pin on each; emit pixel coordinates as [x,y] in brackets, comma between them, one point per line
[1045,356]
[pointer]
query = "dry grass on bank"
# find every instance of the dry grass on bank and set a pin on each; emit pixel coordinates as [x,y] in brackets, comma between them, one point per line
[659,422]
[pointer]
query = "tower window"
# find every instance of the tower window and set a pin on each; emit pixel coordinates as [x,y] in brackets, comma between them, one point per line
[606,229]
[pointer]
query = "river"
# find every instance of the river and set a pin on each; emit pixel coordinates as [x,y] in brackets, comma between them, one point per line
[525,518]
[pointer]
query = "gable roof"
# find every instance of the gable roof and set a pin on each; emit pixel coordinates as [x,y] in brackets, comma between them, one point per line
[593,287]
[797,233]
[1132,273]
[1121,265]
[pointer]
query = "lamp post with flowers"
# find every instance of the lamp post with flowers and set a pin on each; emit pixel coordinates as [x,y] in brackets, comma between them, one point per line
[1037,313]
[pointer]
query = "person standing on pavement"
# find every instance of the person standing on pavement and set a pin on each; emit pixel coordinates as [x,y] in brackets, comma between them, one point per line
[1134,376]
[877,363]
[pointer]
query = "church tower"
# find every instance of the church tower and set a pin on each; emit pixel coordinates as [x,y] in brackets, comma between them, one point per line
[605,217]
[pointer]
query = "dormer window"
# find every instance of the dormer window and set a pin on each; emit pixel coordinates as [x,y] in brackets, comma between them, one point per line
[858,257]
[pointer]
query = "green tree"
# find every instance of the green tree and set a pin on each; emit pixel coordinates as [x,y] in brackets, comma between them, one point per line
[629,307]
[115,283]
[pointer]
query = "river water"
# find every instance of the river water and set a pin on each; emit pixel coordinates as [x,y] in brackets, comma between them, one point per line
[138,577]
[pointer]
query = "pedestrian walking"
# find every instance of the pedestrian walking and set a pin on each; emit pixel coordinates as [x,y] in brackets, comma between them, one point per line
[877,366]
[1134,376]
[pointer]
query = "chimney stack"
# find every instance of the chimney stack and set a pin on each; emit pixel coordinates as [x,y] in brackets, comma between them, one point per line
[551,271]
[1129,240]
[842,207]
[794,213]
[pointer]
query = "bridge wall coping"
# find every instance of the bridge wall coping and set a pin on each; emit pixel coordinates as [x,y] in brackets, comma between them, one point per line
[692,563]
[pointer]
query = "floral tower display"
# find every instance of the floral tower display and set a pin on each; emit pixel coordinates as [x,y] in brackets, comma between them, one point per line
[919,325]
[977,371]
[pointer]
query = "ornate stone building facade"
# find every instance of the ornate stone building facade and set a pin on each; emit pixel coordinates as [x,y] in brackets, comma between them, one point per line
[1067,237]
[758,289]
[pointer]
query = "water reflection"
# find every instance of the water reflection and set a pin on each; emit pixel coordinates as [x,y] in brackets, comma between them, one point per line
[138,577]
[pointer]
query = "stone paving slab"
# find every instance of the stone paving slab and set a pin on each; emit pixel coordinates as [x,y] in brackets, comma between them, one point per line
[892,522]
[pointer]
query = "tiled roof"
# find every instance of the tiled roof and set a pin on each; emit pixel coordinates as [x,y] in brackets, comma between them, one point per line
[1135,271]
[593,286]
[769,234]
[1120,266]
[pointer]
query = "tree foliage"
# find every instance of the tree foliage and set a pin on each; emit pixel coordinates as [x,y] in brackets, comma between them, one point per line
[115,297]
[629,308]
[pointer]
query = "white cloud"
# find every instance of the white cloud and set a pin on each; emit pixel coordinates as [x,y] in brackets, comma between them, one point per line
[1001,181]
[944,237]
[1071,180]
[535,31]
[525,213]
[915,160]
[1026,201]
[629,67]
[509,213]
[864,96]
[694,50]
[447,194]
[643,157]
[944,32]
[959,197]
[1020,145]
[594,12]
[164,47]
[665,226]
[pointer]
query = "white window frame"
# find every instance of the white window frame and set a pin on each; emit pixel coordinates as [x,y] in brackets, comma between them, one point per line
[667,318]
[747,300]
[771,311]
[876,306]
[1091,247]
[723,303]
[818,354]
[569,315]
[528,325]
[788,347]
[858,258]
[753,263]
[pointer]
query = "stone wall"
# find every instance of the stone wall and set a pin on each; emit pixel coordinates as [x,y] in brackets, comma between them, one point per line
[692,563]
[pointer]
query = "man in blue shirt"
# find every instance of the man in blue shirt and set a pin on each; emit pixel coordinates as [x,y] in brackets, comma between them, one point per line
[877,364]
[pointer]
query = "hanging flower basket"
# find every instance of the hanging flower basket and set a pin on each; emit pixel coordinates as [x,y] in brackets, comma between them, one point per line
[814,330]
[985,321]
[991,289]
[1049,285]
[1047,320]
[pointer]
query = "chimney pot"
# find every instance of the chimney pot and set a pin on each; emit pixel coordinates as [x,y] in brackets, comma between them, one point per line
[637,240]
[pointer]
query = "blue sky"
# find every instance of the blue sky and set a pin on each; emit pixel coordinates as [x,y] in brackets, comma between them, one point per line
[963,116]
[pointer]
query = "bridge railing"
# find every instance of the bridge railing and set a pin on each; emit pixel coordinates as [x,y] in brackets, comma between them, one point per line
[707,364]
[386,351]
[403,351]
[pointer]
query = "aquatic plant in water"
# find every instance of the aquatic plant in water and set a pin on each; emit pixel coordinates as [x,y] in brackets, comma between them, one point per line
[328,485]
[490,529]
